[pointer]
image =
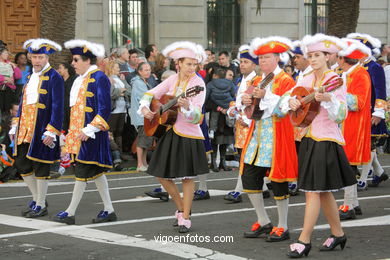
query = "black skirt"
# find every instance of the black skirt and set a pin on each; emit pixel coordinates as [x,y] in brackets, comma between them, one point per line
[178,157]
[323,166]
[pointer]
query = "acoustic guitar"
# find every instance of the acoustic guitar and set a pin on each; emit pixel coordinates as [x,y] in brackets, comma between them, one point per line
[253,111]
[309,108]
[165,110]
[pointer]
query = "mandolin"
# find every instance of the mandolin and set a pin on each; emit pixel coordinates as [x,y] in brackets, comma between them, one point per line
[253,111]
[165,110]
[309,108]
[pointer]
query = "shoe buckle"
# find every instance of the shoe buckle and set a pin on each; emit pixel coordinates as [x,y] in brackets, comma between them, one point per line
[103,214]
[277,231]
[255,226]
[62,214]
[36,208]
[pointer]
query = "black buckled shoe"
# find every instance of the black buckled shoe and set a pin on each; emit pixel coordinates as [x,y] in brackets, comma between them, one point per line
[376,180]
[345,213]
[258,230]
[298,249]
[332,242]
[293,189]
[266,194]
[158,194]
[103,216]
[233,197]
[28,208]
[201,195]
[63,217]
[278,234]
[36,212]
[358,210]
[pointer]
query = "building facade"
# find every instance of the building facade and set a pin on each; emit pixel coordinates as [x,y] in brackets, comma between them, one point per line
[217,24]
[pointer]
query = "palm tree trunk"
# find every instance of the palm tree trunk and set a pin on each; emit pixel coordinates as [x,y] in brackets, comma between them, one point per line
[343,17]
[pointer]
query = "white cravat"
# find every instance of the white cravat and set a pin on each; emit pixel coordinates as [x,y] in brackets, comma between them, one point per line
[78,82]
[32,86]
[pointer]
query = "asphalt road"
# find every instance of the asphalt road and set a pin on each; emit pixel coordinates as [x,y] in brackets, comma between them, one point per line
[145,224]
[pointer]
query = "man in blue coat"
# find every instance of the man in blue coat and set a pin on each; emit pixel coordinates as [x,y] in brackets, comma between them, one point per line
[87,140]
[37,127]
[378,129]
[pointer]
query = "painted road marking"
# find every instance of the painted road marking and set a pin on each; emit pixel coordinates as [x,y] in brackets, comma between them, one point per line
[113,188]
[373,221]
[90,234]
[55,228]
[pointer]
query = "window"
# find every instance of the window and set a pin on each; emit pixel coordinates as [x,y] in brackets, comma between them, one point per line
[223,24]
[128,21]
[316,16]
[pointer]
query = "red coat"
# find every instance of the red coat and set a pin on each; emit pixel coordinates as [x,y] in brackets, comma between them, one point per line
[357,126]
[284,157]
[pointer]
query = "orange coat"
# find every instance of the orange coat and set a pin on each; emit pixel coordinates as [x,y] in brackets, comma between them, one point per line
[357,126]
[284,157]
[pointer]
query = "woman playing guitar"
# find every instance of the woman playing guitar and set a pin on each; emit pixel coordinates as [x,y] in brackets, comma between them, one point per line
[322,164]
[180,153]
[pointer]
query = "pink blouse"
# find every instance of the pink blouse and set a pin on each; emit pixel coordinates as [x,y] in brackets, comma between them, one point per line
[187,122]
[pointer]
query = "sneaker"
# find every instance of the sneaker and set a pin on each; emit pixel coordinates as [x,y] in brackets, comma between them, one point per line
[142,169]
[103,216]
[201,195]
[63,217]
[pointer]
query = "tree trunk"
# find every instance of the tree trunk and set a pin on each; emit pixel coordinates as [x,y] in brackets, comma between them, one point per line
[343,17]
[58,19]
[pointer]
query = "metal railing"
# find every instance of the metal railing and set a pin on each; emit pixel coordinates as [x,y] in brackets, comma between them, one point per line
[128,23]
[316,16]
[223,24]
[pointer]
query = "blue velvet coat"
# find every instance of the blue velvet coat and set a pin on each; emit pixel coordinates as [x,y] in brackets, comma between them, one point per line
[97,151]
[50,114]
[378,91]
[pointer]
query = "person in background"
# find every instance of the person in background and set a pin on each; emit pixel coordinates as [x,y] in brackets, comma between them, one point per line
[210,56]
[289,69]
[224,61]
[139,88]
[120,101]
[133,59]
[69,75]
[25,68]
[162,64]
[123,57]
[220,92]
[151,52]
[9,72]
